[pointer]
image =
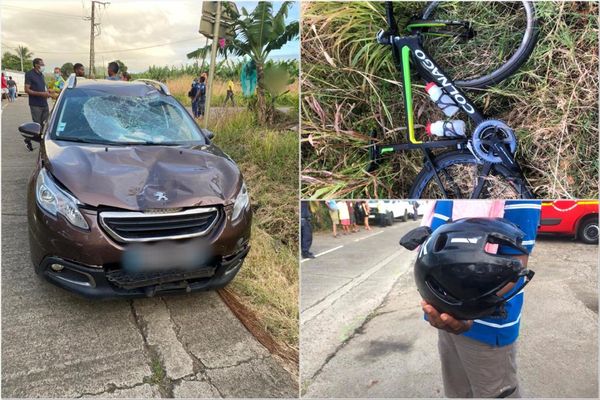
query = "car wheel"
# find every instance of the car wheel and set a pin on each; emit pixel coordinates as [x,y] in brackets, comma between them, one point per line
[405,216]
[390,218]
[588,230]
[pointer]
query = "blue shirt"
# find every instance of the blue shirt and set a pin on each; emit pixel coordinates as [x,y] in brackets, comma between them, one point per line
[36,82]
[498,331]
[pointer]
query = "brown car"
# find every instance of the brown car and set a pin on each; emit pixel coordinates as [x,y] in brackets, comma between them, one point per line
[129,196]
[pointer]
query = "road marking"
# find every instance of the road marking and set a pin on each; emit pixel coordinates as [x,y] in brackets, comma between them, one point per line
[366,237]
[325,252]
[314,310]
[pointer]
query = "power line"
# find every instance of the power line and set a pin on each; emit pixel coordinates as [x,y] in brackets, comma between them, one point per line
[112,51]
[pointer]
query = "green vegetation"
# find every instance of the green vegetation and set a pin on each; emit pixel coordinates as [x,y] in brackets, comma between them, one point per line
[257,34]
[13,60]
[350,86]
[268,158]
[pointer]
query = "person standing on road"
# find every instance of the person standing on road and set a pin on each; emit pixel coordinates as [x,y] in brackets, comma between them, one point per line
[4,87]
[367,211]
[306,230]
[113,71]
[12,89]
[79,70]
[200,97]
[37,90]
[229,93]
[353,226]
[192,96]
[479,357]
[334,215]
[344,216]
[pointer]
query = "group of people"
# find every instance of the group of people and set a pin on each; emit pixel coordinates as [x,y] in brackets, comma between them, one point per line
[38,91]
[113,73]
[9,88]
[198,95]
[348,214]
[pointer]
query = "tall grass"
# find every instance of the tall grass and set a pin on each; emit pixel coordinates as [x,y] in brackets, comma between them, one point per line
[268,159]
[180,86]
[350,86]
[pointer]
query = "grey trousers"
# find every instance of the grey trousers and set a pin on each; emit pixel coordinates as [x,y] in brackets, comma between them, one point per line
[40,115]
[475,369]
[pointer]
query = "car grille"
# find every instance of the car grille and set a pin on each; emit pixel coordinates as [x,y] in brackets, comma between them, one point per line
[126,226]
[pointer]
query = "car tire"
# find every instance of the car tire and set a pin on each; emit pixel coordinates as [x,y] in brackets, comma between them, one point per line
[390,218]
[588,230]
[405,216]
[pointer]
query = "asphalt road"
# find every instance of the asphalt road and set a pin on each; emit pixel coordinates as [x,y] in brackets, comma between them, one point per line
[393,353]
[340,289]
[57,345]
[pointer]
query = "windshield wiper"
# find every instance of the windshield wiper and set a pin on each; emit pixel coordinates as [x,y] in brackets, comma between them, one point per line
[81,140]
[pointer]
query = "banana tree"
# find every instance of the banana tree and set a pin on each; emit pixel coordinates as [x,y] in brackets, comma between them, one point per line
[257,34]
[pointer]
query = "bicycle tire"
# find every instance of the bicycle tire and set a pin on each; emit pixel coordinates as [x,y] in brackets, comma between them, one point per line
[455,158]
[520,56]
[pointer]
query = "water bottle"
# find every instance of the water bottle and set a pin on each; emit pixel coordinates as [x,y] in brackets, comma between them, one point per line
[443,101]
[450,129]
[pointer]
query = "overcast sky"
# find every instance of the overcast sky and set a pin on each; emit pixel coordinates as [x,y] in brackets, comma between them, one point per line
[56,31]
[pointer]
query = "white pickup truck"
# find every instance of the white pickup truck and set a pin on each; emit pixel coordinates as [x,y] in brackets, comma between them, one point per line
[384,212]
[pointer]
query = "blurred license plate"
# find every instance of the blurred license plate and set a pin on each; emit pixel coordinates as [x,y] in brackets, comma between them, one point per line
[165,256]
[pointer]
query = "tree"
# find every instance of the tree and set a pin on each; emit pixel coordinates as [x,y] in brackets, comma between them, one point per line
[67,69]
[11,61]
[257,34]
[25,55]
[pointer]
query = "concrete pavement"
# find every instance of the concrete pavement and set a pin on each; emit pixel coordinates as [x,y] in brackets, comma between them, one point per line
[341,288]
[57,345]
[394,353]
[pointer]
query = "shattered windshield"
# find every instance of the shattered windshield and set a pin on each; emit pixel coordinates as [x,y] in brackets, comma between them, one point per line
[97,116]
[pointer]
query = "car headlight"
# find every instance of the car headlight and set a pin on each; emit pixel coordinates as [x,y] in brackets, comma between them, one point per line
[242,201]
[56,201]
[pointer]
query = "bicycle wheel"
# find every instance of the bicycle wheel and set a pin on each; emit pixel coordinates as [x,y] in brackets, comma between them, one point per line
[506,33]
[458,172]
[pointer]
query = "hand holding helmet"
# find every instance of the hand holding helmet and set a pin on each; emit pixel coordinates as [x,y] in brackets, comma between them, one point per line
[457,274]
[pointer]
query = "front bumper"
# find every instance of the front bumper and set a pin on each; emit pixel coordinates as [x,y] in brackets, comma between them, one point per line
[97,283]
[91,260]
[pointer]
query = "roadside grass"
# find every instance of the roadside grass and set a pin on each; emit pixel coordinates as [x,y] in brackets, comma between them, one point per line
[181,85]
[350,86]
[268,159]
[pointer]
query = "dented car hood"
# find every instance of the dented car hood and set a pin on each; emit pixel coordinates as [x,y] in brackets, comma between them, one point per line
[143,177]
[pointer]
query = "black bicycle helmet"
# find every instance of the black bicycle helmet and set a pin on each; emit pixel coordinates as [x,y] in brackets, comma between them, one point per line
[456,275]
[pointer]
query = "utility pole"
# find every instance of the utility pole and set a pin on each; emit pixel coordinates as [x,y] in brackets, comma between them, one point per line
[92,68]
[213,58]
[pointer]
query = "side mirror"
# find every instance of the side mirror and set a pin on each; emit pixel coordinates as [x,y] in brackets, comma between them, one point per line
[31,131]
[209,134]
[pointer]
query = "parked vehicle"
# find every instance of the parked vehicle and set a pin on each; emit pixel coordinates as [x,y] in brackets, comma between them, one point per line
[129,197]
[18,77]
[384,212]
[575,218]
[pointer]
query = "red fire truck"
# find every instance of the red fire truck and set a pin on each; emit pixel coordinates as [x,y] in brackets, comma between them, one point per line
[576,218]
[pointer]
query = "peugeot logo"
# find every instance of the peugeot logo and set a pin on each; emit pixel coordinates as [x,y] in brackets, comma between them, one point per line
[161,196]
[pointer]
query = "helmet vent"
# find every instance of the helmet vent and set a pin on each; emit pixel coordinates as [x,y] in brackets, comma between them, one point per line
[440,243]
[441,292]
